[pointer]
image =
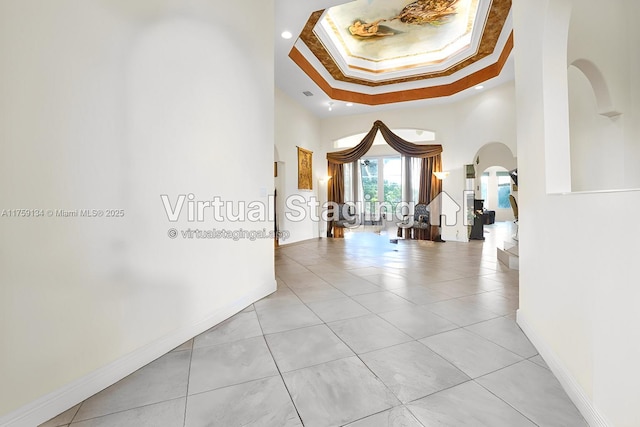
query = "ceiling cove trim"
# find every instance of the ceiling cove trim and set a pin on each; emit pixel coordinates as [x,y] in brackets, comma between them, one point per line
[463,83]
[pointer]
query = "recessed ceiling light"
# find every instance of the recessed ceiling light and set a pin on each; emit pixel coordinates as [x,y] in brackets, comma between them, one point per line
[286,35]
[479,87]
[349,104]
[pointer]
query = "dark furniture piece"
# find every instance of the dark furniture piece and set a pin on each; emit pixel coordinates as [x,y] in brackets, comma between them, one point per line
[488,217]
[346,219]
[417,227]
[477,229]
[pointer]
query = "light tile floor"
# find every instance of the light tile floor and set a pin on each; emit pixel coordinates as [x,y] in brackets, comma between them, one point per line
[361,332]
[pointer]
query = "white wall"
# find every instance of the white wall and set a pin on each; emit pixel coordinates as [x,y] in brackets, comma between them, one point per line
[295,127]
[605,150]
[578,281]
[107,105]
[462,128]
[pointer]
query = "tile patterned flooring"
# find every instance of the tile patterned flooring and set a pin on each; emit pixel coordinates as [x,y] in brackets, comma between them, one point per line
[361,333]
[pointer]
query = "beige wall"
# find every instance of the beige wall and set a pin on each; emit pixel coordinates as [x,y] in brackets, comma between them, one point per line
[107,105]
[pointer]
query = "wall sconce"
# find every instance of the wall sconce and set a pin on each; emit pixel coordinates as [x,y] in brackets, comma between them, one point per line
[324,179]
[441,175]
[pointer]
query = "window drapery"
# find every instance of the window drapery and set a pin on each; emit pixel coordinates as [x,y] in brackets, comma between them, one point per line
[400,145]
[430,187]
[431,157]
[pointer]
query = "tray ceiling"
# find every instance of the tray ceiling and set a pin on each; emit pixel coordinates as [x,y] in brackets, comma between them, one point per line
[381,51]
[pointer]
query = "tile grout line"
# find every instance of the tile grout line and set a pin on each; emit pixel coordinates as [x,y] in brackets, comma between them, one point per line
[146,405]
[502,400]
[186,397]
[279,371]
[498,344]
[76,413]
[231,385]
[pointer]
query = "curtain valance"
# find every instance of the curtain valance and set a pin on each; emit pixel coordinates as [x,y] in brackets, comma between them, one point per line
[405,148]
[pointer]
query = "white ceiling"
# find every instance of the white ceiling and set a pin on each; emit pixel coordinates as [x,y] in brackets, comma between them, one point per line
[291,15]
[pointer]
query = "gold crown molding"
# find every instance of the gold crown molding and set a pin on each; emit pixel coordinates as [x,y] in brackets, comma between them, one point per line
[463,83]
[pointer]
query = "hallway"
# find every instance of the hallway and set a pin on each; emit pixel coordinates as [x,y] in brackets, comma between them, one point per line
[361,332]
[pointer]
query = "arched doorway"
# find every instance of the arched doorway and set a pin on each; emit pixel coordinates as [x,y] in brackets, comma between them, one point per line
[494,185]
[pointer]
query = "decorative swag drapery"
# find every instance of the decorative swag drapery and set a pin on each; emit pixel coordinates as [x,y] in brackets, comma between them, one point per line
[431,157]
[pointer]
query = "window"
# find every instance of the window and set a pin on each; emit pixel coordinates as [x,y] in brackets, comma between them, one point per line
[484,188]
[369,178]
[348,182]
[504,190]
[495,188]
[414,179]
[369,174]
[381,180]
[392,171]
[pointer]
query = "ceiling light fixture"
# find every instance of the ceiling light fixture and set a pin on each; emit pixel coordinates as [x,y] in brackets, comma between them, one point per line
[479,87]
[286,35]
[349,104]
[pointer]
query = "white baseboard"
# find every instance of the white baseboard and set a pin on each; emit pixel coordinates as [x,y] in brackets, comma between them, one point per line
[52,404]
[567,381]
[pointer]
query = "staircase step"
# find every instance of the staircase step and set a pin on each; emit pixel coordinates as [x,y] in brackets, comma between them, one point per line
[510,255]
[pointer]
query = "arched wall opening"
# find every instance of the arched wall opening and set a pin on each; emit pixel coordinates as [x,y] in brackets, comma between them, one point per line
[602,96]
[492,164]
[596,135]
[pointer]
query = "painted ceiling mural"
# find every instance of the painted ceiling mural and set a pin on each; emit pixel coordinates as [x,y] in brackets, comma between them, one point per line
[404,49]
[390,33]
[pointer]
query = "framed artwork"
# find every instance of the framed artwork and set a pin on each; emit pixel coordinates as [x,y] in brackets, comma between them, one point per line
[305,169]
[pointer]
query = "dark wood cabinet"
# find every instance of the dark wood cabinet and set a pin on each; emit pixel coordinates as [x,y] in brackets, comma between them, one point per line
[477,229]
